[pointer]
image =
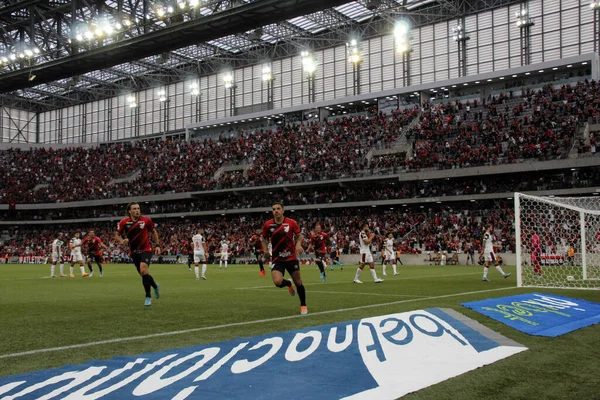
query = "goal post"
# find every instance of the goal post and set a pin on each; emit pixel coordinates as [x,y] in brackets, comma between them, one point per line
[557,241]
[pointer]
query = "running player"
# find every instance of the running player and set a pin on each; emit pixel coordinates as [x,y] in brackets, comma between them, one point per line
[200,252]
[95,244]
[318,242]
[76,255]
[286,238]
[334,255]
[366,257]
[489,255]
[257,249]
[138,229]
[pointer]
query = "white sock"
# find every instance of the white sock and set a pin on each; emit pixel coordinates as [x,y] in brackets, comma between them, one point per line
[394,267]
[358,271]
[485,271]
[373,273]
[197,271]
[62,269]
[82,270]
[384,265]
[70,270]
[499,268]
[225,264]
[52,270]
[203,269]
[220,263]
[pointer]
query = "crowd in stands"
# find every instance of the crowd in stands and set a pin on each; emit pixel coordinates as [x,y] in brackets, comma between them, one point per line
[415,230]
[334,194]
[294,152]
[538,124]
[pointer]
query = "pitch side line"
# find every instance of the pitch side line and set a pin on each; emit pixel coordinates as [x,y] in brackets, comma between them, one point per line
[353,293]
[391,280]
[259,321]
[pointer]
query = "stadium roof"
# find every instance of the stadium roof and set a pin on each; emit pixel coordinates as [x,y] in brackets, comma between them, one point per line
[58,53]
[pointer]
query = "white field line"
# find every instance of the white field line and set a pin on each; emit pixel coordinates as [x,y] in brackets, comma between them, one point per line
[234,324]
[359,293]
[390,280]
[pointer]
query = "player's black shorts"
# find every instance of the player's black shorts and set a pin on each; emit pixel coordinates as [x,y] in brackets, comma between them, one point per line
[259,254]
[320,255]
[95,258]
[139,258]
[289,266]
[333,255]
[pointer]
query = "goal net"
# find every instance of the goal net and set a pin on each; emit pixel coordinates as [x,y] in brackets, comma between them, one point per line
[557,241]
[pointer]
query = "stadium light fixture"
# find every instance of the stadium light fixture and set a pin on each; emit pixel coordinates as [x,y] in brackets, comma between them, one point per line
[309,63]
[194,89]
[402,36]
[228,80]
[354,55]
[267,73]
[162,96]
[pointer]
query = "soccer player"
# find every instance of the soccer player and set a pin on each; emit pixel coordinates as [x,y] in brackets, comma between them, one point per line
[334,255]
[390,254]
[189,248]
[366,257]
[536,255]
[76,255]
[224,253]
[95,244]
[258,250]
[57,256]
[138,229]
[318,242]
[200,252]
[286,239]
[489,255]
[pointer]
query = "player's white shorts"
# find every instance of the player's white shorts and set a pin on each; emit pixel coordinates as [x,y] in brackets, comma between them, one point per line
[390,257]
[224,256]
[366,257]
[199,257]
[76,258]
[56,257]
[489,256]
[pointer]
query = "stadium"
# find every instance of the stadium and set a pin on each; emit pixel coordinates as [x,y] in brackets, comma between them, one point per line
[233,152]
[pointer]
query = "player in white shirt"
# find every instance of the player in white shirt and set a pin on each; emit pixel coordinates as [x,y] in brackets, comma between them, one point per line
[200,252]
[389,253]
[57,256]
[76,255]
[366,257]
[224,253]
[489,255]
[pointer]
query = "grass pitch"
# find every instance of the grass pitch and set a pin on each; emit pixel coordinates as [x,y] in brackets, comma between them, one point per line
[42,313]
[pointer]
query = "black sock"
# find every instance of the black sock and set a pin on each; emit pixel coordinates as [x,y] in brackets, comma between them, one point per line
[100,267]
[261,266]
[152,283]
[321,266]
[90,268]
[285,283]
[301,294]
[146,283]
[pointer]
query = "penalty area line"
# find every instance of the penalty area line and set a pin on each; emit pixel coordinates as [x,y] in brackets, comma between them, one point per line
[234,324]
[352,293]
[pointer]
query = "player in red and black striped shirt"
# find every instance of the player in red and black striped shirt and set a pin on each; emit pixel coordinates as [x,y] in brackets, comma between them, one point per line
[318,242]
[138,229]
[286,241]
[258,250]
[94,253]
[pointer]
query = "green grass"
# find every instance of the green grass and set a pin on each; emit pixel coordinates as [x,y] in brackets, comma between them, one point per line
[40,313]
